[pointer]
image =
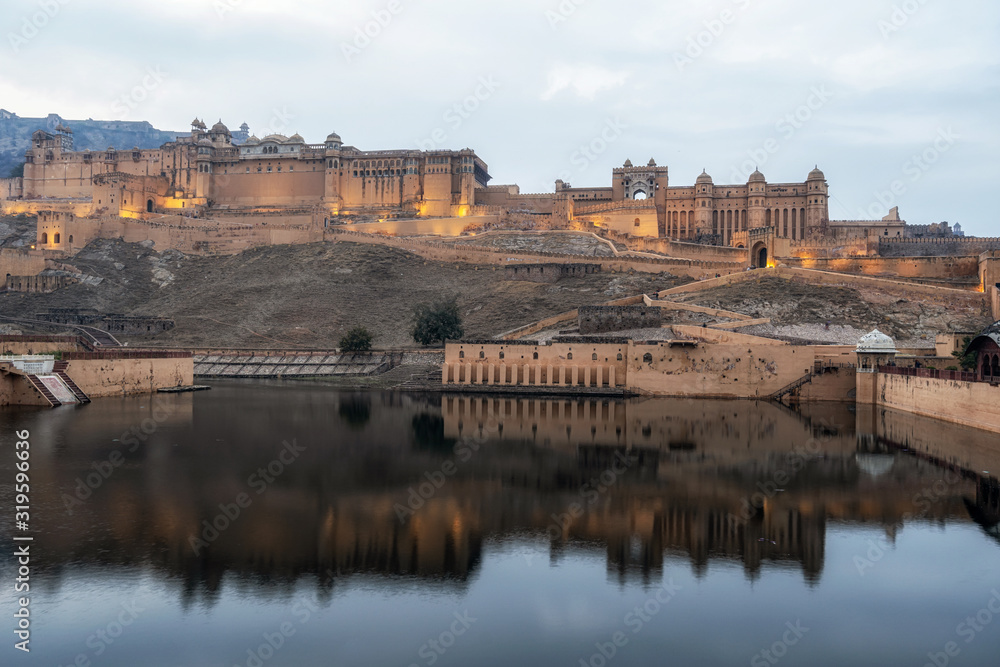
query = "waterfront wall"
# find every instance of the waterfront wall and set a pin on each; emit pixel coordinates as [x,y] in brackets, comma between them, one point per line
[119,377]
[960,402]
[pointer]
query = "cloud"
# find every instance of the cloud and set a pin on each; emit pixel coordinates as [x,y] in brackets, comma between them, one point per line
[586,81]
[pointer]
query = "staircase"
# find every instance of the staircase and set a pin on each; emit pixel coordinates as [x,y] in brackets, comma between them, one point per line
[60,369]
[43,390]
[421,380]
[785,391]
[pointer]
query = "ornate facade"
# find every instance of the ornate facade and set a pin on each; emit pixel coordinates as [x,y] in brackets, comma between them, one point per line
[208,171]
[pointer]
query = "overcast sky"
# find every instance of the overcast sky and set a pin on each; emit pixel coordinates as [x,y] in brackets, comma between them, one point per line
[896,100]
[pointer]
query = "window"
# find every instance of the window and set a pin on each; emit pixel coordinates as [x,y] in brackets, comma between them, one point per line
[647,358]
[501,355]
[619,356]
[461,355]
[45,237]
[534,356]
[593,357]
[56,238]
[570,356]
[482,355]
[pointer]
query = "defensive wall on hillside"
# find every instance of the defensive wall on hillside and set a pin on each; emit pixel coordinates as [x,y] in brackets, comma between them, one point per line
[962,269]
[954,245]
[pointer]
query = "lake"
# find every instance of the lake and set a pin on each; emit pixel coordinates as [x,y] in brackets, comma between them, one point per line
[263,524]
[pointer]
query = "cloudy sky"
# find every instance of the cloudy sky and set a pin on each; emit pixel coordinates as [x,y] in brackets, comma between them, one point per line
[896,100]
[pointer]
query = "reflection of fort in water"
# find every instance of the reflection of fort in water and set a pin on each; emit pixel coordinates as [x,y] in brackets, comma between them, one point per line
[698,470]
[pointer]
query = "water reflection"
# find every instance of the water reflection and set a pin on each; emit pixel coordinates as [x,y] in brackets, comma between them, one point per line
[413,486]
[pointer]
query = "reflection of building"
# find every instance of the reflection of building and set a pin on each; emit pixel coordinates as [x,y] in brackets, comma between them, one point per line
[361,499]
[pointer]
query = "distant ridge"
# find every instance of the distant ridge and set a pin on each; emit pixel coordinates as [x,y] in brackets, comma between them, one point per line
[15,135]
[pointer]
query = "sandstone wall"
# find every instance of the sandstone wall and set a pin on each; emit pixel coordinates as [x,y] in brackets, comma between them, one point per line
[600,319]
[118,377]
[964,268]
[962,245]
[967,403]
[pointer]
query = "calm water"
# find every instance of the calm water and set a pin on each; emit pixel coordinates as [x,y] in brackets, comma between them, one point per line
[294,525]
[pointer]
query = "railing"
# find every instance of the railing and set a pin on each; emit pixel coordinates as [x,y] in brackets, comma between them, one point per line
[961,376]
[41,338]
[124,354]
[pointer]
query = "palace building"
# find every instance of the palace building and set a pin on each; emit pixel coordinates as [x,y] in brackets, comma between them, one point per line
[209,171]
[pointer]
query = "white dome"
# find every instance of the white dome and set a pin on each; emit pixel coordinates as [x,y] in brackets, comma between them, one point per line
[875,465]
[876,342]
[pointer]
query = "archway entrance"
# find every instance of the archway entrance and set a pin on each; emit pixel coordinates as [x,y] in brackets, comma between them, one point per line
[639,195]
[149,206]
[758,255]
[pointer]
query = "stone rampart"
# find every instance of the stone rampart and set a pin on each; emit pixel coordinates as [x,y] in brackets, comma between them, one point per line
[601,319]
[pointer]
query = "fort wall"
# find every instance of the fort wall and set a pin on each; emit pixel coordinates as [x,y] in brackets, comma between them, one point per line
[37,283]
[17,262]
[964,269]
[968,403]
[600,319]
[926,247]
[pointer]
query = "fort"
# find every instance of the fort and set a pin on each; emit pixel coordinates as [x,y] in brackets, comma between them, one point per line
[218,191]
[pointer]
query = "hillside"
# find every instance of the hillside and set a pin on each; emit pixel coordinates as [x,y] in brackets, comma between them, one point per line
[309,295]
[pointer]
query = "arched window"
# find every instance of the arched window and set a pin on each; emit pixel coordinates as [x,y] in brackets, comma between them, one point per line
[461,354]
[647,358]
[482,355]
[55,239]
[534,356]
[570,356]
[45,237]
[501,355]
[593,357]
[149,203]
[619,356]
[70,238]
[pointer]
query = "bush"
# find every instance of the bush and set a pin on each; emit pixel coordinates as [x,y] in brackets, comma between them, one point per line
[966,359]
[17,171]
[357,339]
[436,322]
[951,368]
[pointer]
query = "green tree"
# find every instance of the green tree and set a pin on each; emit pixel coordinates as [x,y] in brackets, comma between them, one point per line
[439,321]
[357,339]
[965,358]
[17,171]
